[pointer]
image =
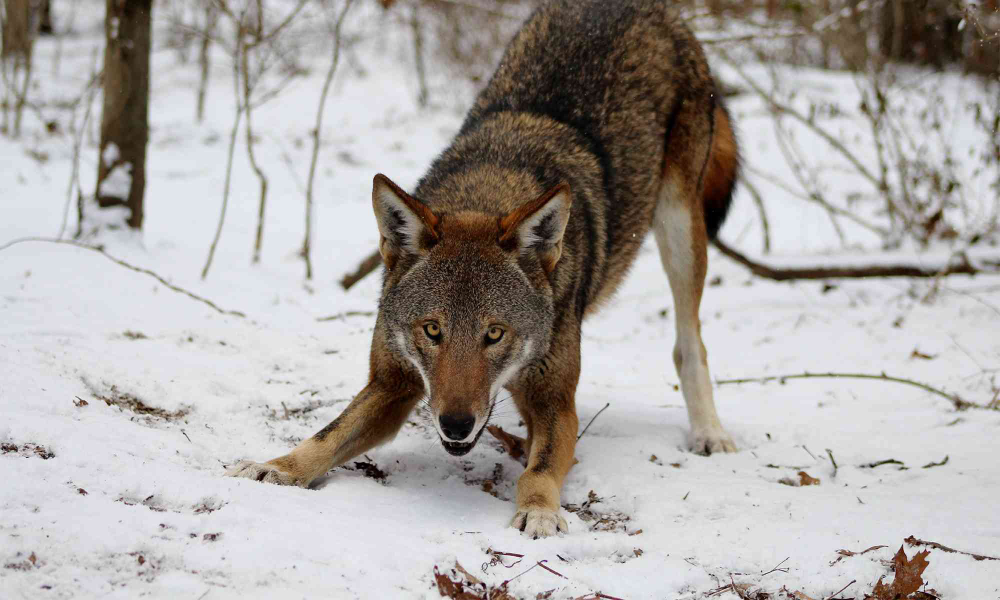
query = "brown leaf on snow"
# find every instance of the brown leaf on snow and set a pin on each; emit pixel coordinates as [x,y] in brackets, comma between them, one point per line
[514,445]
[804,479]
[462,585]
[907,581]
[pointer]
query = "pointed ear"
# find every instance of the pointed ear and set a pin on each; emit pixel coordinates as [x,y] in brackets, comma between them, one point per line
[406,225]
[538,226]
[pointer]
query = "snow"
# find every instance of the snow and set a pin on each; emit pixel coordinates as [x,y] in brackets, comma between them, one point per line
[118,182]
[110,154]
[75,326]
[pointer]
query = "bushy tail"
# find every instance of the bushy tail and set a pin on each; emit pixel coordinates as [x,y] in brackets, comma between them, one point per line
[721,171]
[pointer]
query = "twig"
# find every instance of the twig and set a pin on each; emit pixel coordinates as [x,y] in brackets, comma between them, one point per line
[369,264]
[261,176]
[504,584]
[936,464]
[777,568]
[476,7]
[229,162]
[74,178]
[131,267]
[541,564]
[831,596]
[343,315]
[592,421]
[953,398]
[912,541]
[334,61]
[888,461]
[834,461]
[840,212]
[808,122]
[758,201]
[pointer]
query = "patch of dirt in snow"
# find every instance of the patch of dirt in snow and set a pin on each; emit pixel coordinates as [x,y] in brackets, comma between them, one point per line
[27,450]
[112,396]
[597,520]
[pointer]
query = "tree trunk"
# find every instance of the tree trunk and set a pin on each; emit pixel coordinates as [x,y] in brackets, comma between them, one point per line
[983,37]
[16,58]
[17,29]
[45,18]
[205,57]
[121,173]
[920,31]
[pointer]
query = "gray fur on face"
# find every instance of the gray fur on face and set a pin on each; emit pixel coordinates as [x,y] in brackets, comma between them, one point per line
[466,294]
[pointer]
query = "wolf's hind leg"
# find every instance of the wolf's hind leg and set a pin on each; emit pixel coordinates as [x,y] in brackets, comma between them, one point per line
[374,417]
[679,227]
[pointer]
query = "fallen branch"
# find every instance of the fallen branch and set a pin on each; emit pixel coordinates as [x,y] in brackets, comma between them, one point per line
[962,267]
[953,398]
[888,461]
[343,315]
[131,267]
[369,264]
[912,541]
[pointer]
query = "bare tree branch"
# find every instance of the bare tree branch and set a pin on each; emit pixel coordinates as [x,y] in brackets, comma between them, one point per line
[334,61]
[229,160]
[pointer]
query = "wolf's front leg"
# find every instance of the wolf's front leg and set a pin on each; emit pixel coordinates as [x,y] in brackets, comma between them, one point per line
[374,417]
[553,440]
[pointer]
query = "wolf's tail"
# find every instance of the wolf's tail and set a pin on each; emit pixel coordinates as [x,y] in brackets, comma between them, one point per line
[721,171]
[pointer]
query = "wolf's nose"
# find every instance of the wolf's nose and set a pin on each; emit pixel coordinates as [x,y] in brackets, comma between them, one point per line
[457,426]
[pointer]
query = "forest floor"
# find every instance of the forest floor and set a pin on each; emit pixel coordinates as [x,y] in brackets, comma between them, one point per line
[122,401]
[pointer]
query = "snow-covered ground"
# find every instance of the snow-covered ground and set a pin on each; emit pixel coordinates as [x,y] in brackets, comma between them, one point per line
[121,401]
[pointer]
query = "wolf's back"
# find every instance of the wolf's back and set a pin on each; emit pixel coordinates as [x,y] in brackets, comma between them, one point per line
[587,93]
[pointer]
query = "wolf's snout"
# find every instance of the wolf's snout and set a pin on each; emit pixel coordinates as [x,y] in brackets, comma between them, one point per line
[457,426]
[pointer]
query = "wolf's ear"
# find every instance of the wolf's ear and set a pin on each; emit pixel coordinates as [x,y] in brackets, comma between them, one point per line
[407,226]
[539,226]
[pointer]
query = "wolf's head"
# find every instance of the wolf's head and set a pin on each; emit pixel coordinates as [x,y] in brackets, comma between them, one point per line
[467,299]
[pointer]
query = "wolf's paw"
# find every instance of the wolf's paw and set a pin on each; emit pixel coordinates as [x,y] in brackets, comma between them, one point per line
[710,441]
[261,472]
[539,522]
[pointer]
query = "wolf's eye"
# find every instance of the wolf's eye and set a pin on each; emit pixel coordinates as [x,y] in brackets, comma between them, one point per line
[433,331]
[494,335]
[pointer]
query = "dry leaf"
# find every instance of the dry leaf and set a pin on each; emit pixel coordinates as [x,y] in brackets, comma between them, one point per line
[514,445]
[468,576]
[805,479]
[907,580]
[465,586]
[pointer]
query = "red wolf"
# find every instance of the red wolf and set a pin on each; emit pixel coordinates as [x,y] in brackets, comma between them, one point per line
[601,122]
